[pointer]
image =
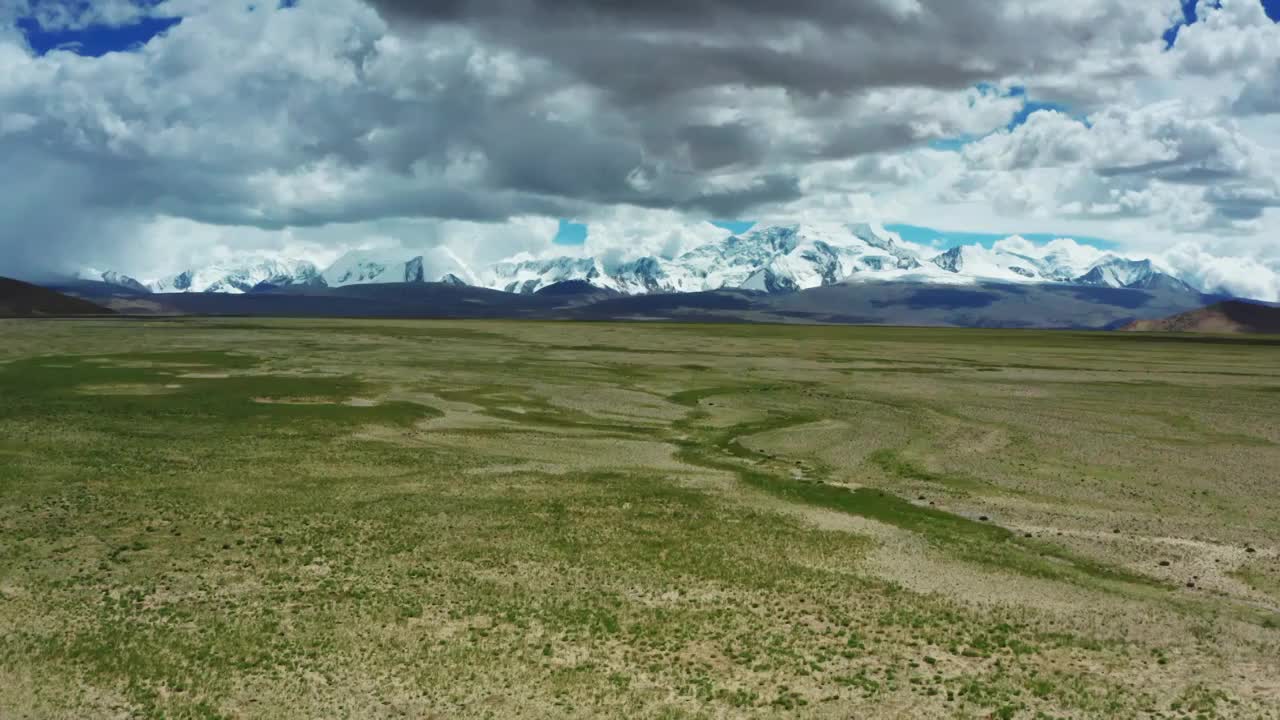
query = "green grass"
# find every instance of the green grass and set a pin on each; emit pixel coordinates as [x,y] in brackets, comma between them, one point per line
[973,540]
[892,462]
[500,529]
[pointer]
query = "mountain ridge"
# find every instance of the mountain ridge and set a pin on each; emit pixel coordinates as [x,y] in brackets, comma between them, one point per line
[23,299]
[773,259]
[982,304]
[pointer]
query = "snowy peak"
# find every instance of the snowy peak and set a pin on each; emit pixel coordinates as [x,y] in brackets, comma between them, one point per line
[777,258]
[124,281]
[529,276]
[1118,272]
[111,277]
[361,267]
[240,277]
[1066,261]
[399,265]
[773,258]
[641,276]
[951,260]
[988,264]
[413,271]
[790,257]
[877,237]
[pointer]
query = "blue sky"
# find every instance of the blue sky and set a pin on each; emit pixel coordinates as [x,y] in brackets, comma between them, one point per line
[98,40]
[1188,17]
[949,238]
[572,233]
[95,40]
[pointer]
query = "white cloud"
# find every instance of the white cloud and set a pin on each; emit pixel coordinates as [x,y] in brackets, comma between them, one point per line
[1071,253]
[1172,163]
[1261,91]
[1239,276]
[1231,36]
[625,234]
[331,126]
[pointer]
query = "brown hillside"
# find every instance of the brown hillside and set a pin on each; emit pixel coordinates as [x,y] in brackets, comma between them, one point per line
[20,299]
[1231,316]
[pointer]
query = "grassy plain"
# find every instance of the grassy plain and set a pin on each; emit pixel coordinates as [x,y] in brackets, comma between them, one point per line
[367,519]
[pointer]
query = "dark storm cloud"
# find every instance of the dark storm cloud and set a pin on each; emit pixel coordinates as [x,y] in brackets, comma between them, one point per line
[715,146]
[48,223]
[1174,171]
[657,73]
[736,203]
[646,50]
[867,138]
[1242,202]
[699,14]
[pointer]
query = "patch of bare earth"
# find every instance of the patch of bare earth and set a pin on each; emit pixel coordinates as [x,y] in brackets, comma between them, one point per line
[294,401]
[128,389]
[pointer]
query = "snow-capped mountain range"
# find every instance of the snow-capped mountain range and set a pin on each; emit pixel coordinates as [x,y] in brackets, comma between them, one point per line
[233,278]
[363,267]
[776,258]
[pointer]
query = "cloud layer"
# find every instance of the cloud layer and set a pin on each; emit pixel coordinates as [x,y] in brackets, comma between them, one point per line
[326,126]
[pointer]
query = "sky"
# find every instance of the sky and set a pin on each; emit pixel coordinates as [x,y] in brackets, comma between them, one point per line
[149,136]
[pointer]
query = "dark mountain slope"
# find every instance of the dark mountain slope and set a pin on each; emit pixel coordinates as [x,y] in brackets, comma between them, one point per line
[992,305]
[1041,305]
[1230,316]
[20,299]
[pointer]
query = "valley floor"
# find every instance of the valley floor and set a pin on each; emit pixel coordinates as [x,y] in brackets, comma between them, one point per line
[368,519]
